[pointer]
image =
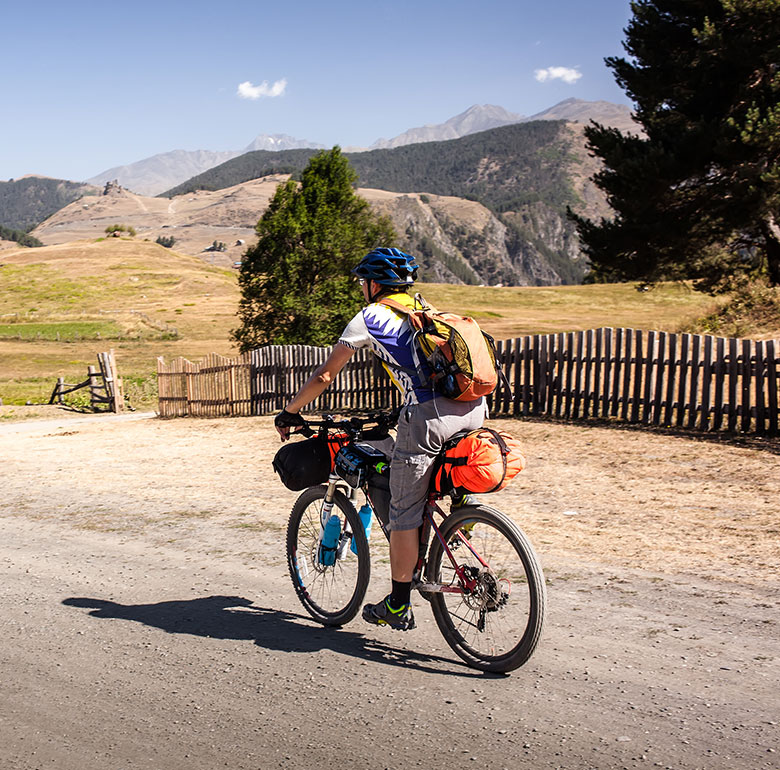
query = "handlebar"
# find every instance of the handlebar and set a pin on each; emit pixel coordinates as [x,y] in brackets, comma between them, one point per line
[354,427]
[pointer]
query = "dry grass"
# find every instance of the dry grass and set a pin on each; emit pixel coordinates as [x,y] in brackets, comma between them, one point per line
[168,304]
[514,311]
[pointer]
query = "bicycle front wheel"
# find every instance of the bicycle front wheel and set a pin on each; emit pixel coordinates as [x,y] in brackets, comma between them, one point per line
[331,593]
[496,625]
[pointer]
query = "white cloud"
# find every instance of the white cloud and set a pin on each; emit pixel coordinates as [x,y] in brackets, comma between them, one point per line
[566,74]
[247,91]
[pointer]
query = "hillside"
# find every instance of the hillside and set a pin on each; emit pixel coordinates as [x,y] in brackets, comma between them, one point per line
[61,305]
[195,220]
[456,240]
[515,182]
[26,202]
[153,175]
[526,174]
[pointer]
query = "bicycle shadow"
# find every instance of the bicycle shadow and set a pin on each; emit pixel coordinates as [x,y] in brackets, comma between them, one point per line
[233,617]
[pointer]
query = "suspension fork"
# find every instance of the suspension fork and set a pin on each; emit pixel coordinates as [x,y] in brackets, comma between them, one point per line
[327,502]
[325,513]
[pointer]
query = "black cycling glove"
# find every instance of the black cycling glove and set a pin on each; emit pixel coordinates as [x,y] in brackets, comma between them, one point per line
[287,419]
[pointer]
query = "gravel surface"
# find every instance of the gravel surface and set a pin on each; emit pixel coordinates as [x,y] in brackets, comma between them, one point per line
[149,621]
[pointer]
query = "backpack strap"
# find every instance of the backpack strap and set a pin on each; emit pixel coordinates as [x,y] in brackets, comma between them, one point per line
[500,369]
[413,315]
[504,449]
[418,324]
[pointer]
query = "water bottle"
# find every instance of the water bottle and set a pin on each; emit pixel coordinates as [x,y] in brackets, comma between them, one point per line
[330,541]
[366,517]
[449,386]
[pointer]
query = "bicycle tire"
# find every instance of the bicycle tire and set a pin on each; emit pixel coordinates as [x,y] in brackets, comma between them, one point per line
[498,626]
[332,595]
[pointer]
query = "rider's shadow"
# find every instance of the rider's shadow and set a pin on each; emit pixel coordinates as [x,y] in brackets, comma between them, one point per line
[233,617]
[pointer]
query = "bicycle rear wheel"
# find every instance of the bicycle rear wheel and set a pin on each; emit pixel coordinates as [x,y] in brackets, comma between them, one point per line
[497,625]
[331,594]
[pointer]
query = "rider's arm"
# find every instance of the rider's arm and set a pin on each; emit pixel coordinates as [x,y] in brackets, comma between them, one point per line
[322,377]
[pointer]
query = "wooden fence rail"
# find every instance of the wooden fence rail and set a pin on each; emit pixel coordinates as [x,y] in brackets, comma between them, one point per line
[655,378]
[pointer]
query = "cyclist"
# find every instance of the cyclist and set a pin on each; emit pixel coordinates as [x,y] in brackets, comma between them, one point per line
[426,421]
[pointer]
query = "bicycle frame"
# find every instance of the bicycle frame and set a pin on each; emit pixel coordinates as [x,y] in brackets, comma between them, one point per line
[465,583]
[467,558]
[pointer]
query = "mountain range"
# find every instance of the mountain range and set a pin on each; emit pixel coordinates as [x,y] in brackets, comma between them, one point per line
[154,175]
[487,207]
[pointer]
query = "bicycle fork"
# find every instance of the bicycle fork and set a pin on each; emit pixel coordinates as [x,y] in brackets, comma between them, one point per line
[326,511]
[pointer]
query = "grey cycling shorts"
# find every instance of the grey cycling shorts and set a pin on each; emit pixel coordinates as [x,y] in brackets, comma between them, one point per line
[422,430]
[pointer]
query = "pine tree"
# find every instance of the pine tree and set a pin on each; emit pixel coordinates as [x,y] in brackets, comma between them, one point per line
[698,195]
[295,282]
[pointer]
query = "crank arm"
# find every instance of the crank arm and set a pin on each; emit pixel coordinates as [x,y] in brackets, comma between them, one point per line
[438,588]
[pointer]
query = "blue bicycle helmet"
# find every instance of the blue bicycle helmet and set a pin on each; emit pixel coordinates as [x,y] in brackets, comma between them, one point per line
[388,267]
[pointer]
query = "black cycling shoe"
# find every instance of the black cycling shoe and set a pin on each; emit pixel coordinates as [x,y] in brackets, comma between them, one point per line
[382,614]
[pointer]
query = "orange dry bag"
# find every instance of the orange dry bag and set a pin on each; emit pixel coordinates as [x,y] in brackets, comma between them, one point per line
[479,461]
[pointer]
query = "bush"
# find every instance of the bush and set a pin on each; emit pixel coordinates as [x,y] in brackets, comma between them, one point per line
[117,229]
[166,240]
[753,309]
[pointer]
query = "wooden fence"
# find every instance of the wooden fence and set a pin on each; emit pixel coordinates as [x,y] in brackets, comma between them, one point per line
[655,378]
[105,386]
[215,387]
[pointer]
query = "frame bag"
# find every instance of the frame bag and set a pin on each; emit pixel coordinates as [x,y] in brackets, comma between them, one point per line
[477,462]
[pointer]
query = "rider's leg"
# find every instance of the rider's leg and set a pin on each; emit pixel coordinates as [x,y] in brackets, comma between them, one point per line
[404,552]
[422,429]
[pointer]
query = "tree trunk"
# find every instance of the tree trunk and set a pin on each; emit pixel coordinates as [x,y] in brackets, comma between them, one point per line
[772,240]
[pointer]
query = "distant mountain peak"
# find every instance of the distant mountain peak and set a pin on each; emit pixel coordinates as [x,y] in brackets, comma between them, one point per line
[478,117]
[276,142]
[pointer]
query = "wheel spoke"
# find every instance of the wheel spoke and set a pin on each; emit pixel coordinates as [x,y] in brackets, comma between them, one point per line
[332,594]
[496,625]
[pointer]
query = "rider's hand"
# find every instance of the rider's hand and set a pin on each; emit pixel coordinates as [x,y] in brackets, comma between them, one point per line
[285,420]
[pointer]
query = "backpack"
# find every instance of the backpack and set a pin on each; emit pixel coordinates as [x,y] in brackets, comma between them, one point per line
[460,357]
[477,461]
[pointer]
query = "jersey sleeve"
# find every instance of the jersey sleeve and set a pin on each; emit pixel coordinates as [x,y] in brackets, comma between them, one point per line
[356,335]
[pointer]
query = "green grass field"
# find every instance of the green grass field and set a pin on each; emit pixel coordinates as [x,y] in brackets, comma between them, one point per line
[61,331]
[146,301]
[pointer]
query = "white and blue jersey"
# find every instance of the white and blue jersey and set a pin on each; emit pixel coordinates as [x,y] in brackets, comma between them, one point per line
[388,334]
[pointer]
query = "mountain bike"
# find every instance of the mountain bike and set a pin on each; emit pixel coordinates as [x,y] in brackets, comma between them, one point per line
[476,567]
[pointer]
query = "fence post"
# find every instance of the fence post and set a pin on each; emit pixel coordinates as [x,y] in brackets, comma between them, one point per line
[638,368]
[746,376]
[660,368]
[94,396]
[772,384]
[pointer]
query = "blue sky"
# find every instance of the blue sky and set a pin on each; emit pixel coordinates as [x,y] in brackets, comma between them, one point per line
[87,85]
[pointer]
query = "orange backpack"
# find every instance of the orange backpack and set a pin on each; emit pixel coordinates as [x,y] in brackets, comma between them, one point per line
[478,461]
[460,356]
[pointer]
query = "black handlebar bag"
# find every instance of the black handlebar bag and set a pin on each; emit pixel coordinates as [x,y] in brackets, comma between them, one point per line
[302,464]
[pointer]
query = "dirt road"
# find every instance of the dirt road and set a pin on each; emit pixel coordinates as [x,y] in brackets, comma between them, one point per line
[148,620]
